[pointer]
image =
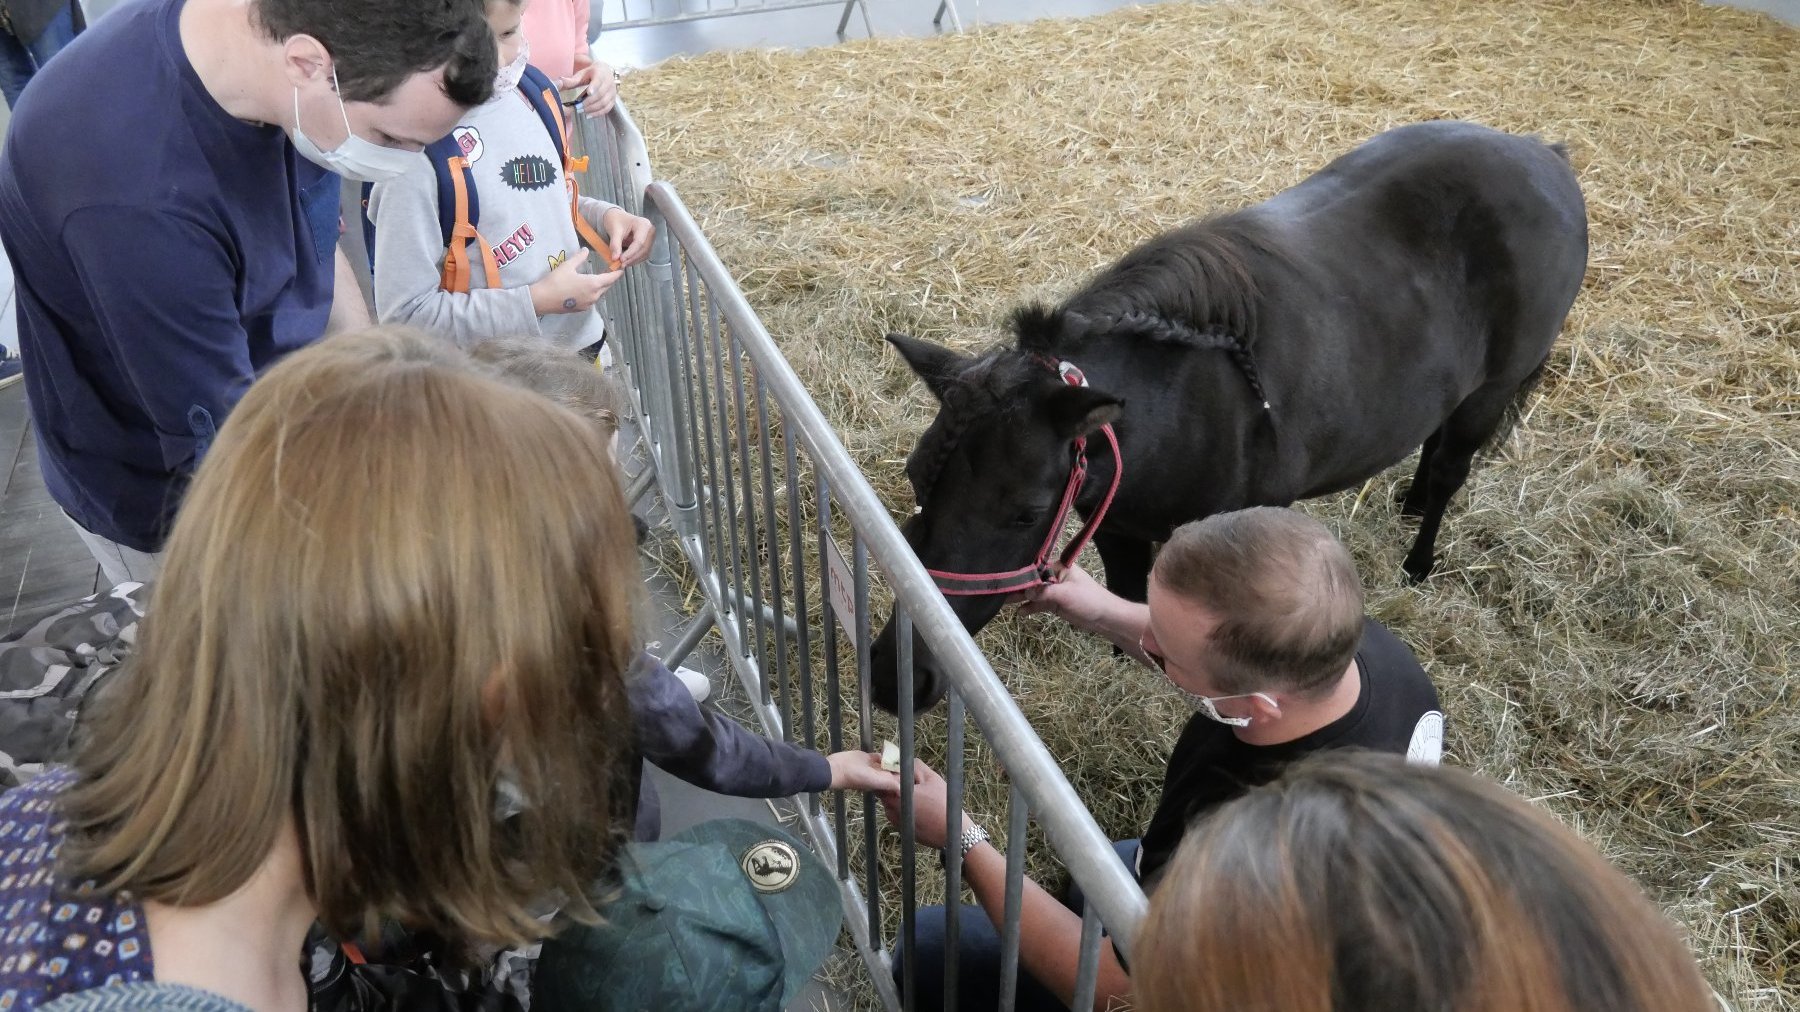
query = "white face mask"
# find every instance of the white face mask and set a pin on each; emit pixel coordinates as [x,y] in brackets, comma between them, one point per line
[363,161]
[1199,703]
[1204,704]
[511,74]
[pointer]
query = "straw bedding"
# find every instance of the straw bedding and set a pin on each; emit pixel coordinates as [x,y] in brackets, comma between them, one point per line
[1617,614]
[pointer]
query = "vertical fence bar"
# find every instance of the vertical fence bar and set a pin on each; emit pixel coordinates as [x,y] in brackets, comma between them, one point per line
[797,552]
[871,844]
[1087,967]
[732,589]
[666,418]
[691,516]
[953,861]
[1018,816]
[909,844]
[713,542]
[752,529]
[775,586]
[834,695]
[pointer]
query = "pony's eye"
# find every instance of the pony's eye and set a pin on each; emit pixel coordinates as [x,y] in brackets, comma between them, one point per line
[1029,518]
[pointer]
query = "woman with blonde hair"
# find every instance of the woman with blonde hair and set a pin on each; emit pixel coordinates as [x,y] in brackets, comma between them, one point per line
[1358,883]
[395,584]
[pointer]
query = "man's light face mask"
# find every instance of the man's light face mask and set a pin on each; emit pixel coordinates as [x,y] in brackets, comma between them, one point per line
[1199,703]
[356,158]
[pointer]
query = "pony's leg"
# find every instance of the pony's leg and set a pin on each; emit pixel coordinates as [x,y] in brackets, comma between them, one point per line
[1412,505]
[1442,474]
[1127,562]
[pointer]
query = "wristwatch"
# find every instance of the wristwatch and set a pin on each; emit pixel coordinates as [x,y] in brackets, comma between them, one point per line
[971,836]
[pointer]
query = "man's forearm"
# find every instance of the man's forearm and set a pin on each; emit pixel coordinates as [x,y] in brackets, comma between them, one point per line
[349,310]
[1123,623]
[1049,933]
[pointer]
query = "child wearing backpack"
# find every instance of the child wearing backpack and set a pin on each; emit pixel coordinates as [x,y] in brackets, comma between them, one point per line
[484,237]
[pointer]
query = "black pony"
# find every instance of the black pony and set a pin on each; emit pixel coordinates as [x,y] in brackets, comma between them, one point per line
[1407,294]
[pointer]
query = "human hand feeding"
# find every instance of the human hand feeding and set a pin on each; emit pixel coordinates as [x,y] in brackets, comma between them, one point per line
[629,236]
[861,771]
[930,797]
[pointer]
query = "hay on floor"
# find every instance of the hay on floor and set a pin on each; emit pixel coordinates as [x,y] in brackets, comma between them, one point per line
[1613,625]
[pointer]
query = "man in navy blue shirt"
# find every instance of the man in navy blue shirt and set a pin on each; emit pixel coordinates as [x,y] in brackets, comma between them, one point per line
[169,200]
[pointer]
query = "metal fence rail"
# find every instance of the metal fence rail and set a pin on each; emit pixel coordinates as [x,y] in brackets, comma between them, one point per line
[789,551]
[614,15]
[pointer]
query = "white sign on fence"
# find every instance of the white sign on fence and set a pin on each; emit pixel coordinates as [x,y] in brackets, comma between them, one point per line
[839,588]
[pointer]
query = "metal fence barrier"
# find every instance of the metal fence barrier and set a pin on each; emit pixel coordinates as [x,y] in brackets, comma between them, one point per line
[614,15]
[785,544]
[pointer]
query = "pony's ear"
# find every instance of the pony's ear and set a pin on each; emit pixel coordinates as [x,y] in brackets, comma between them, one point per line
[933,363]
[1077,411]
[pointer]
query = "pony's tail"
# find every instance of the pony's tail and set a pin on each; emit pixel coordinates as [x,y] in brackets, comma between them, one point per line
[1515,408]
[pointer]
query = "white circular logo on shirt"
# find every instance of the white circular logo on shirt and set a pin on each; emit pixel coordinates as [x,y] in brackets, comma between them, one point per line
[771,866]
[469,140]
[1427,745]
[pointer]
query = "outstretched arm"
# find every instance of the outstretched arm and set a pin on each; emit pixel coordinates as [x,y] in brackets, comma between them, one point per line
[1081,601]
[1049,933]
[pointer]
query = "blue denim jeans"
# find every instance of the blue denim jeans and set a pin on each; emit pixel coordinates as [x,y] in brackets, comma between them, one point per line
[978,957]
[19,59]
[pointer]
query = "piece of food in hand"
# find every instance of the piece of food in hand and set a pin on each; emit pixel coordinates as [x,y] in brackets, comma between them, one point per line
[890,757]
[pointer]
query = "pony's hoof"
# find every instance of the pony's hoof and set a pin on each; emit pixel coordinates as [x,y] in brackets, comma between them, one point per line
[1417,570]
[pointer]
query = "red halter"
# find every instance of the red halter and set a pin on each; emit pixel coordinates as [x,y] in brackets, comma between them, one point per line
[1042,570]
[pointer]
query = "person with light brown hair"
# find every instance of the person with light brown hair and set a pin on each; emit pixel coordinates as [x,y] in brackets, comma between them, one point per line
[568,378]
[1256,620]
[396,583]
[1361,883]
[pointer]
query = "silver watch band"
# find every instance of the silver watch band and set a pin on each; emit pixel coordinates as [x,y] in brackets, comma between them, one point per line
[970,837]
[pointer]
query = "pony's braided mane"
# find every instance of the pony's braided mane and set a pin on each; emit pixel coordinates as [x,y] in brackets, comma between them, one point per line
[1048,331]
[1200,272]
[1214,337]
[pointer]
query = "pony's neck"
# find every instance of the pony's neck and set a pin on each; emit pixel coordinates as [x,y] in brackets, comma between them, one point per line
[1193,279]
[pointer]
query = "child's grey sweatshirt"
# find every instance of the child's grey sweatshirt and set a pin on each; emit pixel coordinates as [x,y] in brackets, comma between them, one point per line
[524,217]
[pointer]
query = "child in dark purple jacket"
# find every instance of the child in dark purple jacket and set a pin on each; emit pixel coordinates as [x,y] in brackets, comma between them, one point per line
[692,743]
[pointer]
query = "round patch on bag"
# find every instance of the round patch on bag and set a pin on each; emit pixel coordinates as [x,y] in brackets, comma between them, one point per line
[771,866]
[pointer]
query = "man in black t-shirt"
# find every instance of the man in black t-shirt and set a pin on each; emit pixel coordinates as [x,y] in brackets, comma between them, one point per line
[1256,619]
[1392,708]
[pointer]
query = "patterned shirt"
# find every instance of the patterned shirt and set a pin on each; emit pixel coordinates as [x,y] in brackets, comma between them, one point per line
[54,940]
